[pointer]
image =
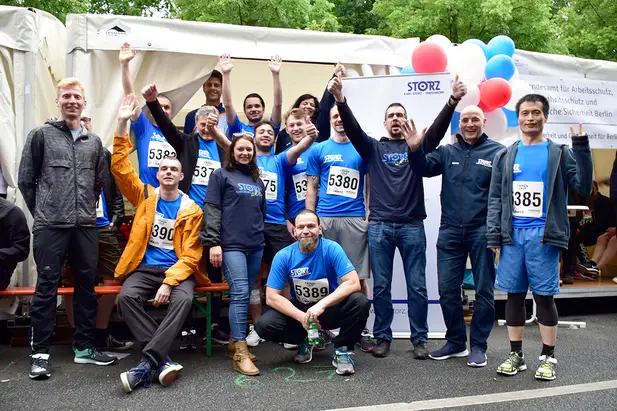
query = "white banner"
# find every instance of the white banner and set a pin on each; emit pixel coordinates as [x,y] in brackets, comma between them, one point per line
[576,100]
[423,96]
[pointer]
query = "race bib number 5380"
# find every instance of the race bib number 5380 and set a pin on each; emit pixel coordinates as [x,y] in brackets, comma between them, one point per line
[343,181]
[528,198]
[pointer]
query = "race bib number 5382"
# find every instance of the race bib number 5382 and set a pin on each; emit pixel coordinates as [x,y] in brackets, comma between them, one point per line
[528,198]
[158,150]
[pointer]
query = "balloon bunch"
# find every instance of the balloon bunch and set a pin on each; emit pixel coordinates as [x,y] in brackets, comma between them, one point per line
[488,70]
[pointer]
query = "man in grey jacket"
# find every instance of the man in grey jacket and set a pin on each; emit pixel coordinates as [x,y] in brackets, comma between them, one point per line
[61,174]
[528,220]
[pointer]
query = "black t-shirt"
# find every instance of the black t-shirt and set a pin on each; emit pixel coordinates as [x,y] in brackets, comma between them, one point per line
[243,209]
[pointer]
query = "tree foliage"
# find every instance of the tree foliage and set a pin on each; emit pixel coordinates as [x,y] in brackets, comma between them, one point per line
[296,14]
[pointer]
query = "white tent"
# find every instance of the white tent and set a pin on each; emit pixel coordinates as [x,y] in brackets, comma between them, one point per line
[179,55]
[32,59]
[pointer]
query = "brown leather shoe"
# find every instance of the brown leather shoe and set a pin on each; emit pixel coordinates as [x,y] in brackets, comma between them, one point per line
[242,360]
[231,351]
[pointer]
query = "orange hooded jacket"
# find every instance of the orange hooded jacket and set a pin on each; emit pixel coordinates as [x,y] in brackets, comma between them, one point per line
[187,245]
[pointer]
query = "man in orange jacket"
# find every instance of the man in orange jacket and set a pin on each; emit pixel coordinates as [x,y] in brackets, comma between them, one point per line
[161,257]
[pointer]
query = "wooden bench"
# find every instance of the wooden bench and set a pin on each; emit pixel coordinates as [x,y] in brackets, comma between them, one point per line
[215,288]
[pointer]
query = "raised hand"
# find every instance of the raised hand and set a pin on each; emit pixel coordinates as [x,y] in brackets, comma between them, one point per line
[411,135]
[335,87]
[459,89]
[340,70]
[275,64]
[311,130]
[126,53]
[128,108]
[226,63]
[212,121]
[580,131]
[150,92]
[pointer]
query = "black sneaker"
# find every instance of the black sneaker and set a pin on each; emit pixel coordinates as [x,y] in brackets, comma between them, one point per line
[366,342]
[40,367]
[588,270]
[140,375]
[381,349]
[323,340]
[219,335]
[187,340]
[420,352]
[305,352]
[116,345]
[93,356]
[568,279]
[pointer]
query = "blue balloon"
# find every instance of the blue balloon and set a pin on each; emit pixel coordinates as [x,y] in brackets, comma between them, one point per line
[479,43]
[511,116]
[500,45]
[408,70]
[500,66]
[455,122]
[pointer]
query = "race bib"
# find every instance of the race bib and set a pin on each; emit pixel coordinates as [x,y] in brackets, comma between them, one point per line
[311,291]
[528,198]
[100,213]
[271,182]
[343,182]
[203,170]
[158,150]
[162,235]
[300,183]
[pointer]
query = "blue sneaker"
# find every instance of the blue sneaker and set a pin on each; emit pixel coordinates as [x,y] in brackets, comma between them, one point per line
[305,352]
[168,372]
[341,359]
[140,375]
[449,351]
[477,358]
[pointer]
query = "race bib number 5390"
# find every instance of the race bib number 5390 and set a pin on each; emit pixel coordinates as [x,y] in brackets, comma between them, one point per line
[162,235]
[528,198]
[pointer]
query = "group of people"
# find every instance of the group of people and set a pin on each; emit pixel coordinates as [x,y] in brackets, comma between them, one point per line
[308,214]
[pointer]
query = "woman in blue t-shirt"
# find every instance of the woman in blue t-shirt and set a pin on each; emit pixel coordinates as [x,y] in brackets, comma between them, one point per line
[234,231]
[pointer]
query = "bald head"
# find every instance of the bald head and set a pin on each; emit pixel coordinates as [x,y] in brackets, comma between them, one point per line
[472,123]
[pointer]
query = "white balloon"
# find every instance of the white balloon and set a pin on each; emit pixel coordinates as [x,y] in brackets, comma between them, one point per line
[520,88]
[496,123]
[472,98]
[469,62]
[440,40]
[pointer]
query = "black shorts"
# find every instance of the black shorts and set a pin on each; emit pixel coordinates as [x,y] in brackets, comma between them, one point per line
[277,238]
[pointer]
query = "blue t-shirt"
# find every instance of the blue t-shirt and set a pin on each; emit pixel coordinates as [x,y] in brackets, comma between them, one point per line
[208,160]
[296,184]
[102,215]
[238,127]
[529,186]
[160,250]
[311,276]
[341,173]
[272,169]
[152,147]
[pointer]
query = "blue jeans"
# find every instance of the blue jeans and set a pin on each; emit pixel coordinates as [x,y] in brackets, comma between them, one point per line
[383,238]
[453,246]
[241,269]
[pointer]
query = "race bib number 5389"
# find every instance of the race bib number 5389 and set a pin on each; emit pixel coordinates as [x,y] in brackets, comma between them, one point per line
[311,291]
[528,198]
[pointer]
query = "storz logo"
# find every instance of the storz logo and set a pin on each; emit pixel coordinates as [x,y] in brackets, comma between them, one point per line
[424,87]
[395,159]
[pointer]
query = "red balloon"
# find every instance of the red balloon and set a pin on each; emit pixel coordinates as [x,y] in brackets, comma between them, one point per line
[485,108]
[495,93]
[429,58]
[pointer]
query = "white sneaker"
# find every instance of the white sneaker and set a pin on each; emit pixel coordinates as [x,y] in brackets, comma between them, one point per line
[615,279]
[290,346]
[253,339]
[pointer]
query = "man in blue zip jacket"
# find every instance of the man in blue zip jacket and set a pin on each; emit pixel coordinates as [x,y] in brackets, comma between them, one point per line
[397,212]
[466,169]
[528,220]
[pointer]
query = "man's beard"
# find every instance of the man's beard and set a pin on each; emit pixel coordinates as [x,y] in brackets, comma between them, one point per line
[308,245]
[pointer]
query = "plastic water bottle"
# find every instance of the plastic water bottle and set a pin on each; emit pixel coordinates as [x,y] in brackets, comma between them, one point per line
[313,333]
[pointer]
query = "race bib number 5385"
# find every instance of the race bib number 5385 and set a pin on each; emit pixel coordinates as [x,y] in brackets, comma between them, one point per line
[528,198]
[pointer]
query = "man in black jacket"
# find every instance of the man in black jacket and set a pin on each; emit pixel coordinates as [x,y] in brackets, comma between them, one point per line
[397,212]
[466,168]
[109,216]
[14,241]
[61,174]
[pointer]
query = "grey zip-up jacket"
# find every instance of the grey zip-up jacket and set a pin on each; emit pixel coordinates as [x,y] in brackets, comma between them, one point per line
[61,179]
[566,166]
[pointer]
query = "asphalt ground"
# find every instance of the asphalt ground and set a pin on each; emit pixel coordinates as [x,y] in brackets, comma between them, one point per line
[585,356]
